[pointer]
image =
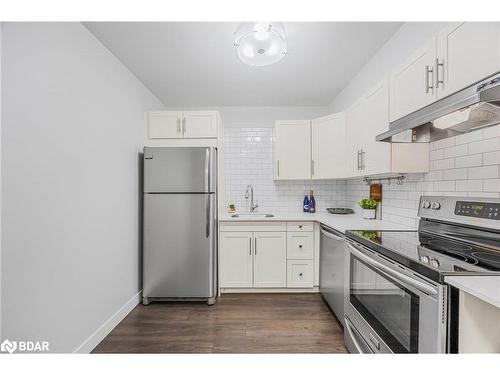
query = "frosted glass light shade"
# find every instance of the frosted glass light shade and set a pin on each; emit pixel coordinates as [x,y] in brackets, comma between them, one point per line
[260,43]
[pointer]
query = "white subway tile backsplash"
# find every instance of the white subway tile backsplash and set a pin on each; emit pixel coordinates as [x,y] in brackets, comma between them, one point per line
[490,171]
[486,145]
[491,158]
[452,152]
[454,174]
[469,161]
[465,165]
[492,185]
[469,137]
[447,142]
[469,185]
[442,164]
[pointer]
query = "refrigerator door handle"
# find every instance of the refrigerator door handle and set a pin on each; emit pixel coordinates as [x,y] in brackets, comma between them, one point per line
[207,170]
[207,207]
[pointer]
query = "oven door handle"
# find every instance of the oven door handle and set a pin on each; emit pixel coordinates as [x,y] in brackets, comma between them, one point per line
[391,272]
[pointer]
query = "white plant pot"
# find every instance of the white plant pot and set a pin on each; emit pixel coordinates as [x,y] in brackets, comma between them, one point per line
[369,213]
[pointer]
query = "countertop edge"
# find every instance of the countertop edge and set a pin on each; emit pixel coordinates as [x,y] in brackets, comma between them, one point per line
[464,283]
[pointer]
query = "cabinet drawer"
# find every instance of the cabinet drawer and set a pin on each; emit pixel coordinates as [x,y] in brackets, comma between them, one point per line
[299,226]
[299,274]
[299,245]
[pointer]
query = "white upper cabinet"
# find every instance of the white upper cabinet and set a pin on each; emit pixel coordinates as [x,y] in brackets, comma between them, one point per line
[368,117]
[292,150]
[458,56]
[412,83]
[467,52]
[200,124]
[355,139]
[328,146]
[164,124]
[178,125]
[376,156]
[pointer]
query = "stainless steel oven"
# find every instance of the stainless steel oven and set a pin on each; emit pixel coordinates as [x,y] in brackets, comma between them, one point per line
[389,308]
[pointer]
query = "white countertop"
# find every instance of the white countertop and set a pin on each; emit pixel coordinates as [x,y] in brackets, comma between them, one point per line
[338,222]
[486,288]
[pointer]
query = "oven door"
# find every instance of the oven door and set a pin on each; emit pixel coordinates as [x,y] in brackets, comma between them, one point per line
[392,309]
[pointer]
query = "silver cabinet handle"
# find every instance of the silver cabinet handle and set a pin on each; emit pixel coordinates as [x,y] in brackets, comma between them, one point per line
[439,80]
[428,84]
[278,167]
[184,126]
[393,273]
[179,125]
[362,160]
[358,160]
[250,247]
[255,246]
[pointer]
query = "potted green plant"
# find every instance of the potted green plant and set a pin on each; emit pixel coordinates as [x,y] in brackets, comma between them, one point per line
[369,207]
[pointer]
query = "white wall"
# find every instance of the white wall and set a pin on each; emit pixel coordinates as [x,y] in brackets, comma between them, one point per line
[408,38]
[72,130]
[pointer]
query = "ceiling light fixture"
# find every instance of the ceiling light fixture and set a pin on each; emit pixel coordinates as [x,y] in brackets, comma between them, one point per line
[260,43]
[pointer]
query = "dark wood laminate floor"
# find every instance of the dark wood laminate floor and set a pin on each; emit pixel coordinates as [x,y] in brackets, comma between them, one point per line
[237,323]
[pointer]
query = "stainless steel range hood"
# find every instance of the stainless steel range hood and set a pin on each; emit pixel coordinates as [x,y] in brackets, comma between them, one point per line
[474,107]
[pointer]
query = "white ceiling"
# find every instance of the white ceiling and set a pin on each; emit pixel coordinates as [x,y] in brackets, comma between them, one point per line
[194,64]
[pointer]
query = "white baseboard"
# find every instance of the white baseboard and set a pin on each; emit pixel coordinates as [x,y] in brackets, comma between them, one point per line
[270,290]
[95,338]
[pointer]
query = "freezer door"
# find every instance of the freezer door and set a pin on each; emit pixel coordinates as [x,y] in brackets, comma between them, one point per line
[179,169]
[179,246]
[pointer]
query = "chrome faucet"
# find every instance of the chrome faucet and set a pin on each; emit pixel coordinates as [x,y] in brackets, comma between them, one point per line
[248,193]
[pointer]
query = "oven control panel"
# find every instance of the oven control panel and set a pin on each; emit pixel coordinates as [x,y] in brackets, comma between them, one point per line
[474,211]
[482,210]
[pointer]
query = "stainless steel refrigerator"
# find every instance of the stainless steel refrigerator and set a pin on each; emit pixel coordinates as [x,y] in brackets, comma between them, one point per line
[180,224]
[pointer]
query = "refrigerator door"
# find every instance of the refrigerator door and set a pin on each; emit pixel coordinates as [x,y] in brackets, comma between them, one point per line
[179,169]
[179,246]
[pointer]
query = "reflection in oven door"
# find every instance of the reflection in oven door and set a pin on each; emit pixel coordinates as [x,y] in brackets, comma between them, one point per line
[394,310]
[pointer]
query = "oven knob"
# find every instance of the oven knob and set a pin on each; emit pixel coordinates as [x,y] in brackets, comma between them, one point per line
[435,205]
[435,263]
[424,259]
[425,204]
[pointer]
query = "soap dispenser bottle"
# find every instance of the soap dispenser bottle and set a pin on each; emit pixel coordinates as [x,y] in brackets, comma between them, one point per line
[305,204]
[312,202]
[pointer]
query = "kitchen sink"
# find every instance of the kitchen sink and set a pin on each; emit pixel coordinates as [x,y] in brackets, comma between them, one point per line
[259,215]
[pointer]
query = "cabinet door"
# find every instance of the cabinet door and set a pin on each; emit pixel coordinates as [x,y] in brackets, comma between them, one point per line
[466,53]
[354,139]
[200,124]
[292,150]
[269,260]
[328,146]
[412,83]
[376,155]
[235,252]
[164,124]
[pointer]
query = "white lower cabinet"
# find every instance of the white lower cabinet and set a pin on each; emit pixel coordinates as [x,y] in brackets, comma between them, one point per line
[258,255]
[236,264]
[252,259]
[299,273]
[269,260]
